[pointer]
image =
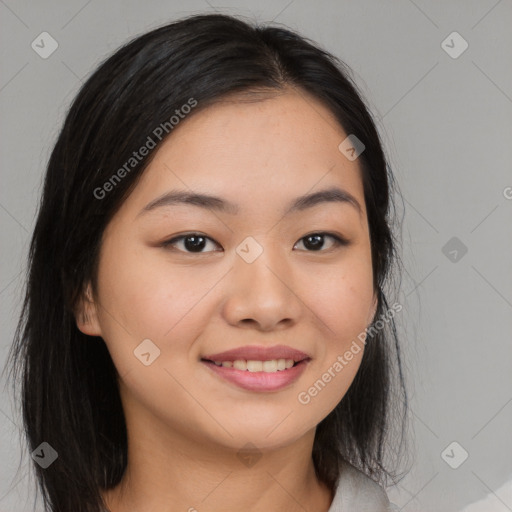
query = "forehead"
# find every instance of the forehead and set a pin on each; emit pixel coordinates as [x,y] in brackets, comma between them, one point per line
[254,153]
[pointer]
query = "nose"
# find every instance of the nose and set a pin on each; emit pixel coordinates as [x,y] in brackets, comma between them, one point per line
[262,294]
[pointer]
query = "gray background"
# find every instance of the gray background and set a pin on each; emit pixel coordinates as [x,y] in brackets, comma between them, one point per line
[446,124]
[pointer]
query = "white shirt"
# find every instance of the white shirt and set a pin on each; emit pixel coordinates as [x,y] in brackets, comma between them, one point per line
[356,492]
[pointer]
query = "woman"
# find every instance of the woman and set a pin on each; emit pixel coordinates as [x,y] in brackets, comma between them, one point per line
[205,326]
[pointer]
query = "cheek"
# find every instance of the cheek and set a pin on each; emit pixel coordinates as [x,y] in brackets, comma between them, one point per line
[342,296]
[342,304]
[143,298]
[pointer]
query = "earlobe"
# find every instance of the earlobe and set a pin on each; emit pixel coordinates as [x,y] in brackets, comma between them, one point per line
[86,315]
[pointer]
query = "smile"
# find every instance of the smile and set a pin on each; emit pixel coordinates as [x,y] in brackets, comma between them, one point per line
[257,380]
[271,366]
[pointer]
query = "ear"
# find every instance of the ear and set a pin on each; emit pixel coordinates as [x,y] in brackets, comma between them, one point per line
[86,313]
[373,309]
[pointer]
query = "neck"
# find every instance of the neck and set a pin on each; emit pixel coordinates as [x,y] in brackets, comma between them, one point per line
[169,472]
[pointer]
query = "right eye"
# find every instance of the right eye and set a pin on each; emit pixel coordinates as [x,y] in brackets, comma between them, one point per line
[191,243]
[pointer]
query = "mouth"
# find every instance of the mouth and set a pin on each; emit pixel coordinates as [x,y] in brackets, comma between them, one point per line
[254,365]
[259,368]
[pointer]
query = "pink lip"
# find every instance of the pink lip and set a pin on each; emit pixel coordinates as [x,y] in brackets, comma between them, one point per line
[259,381]
[259,353]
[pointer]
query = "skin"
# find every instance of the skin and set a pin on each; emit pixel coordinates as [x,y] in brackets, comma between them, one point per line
[185,424]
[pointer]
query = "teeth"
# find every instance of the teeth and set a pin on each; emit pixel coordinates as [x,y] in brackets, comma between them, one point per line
[271,366]
[255,366]
[240,365]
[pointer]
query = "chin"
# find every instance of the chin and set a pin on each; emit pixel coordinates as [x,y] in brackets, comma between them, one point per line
[268,435]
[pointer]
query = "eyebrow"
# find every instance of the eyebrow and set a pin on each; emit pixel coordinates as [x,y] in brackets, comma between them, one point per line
[177,197]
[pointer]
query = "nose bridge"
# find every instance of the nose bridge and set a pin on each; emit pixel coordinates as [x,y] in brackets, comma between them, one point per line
[262,284]
[262,264]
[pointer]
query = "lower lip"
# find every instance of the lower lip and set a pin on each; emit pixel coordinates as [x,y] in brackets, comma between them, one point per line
[259,381]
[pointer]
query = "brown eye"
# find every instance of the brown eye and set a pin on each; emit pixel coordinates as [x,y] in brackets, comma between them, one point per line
[193,243]
[316,241]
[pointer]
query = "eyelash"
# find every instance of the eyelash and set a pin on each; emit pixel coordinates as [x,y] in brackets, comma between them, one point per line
[338,241]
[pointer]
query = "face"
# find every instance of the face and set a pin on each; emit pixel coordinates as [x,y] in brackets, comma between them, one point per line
[179,282]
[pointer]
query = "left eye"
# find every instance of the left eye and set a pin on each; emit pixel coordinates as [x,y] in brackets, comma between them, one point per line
[315,241]
[196,242]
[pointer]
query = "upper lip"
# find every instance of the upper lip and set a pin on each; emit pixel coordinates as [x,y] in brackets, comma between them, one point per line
[259,353]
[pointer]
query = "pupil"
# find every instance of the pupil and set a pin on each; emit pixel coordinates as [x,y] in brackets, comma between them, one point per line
[318,241]
[197,243]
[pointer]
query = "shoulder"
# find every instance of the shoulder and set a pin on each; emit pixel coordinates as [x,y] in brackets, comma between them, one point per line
[354,488]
